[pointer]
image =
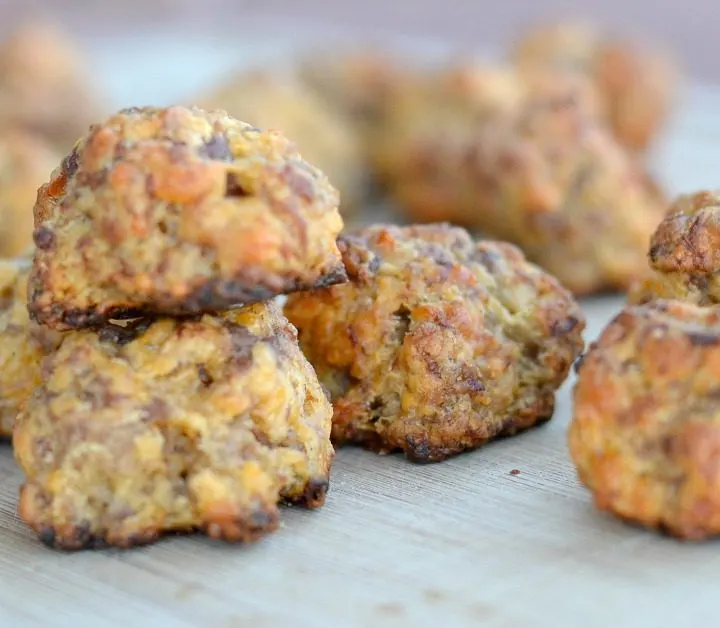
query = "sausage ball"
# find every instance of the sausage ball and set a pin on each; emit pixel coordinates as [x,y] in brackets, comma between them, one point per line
[437,344]
[645,436]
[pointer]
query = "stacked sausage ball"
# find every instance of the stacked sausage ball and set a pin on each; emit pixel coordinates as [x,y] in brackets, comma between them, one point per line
[646,432]
[152,383]
[161,403]
[163,390]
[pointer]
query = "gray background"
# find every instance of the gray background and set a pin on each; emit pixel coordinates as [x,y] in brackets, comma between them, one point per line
[689,27]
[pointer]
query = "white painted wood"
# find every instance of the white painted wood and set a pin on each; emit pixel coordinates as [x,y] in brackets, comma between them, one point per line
[462,543]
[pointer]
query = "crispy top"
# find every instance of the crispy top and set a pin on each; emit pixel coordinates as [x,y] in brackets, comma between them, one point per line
[438,265]
[688,239]
[155,204]
[667,337]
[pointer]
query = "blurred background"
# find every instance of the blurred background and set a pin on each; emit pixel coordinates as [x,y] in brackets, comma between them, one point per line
[689,27]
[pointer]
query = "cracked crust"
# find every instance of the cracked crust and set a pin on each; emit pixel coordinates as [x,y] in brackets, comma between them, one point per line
[173,426]
[23,344]
[276,100]
[179,211]
[437,344]
[645,436]
[25,163]
[685,253]
[44,85]
[635,86]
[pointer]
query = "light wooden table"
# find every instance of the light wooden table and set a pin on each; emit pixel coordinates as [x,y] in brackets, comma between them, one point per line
[462,543]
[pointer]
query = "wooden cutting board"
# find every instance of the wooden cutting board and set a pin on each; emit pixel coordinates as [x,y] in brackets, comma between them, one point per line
[462,543]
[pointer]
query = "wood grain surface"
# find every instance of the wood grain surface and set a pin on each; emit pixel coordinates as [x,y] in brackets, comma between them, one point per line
[462,543]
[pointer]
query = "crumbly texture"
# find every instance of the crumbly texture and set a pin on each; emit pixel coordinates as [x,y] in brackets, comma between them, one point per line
[636,85]
[26,161]
[685,253]
[544,175]
[179,211]
[276,100]
[645,436]
[45,86]
[173,426]
[437,344]
[23,344]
